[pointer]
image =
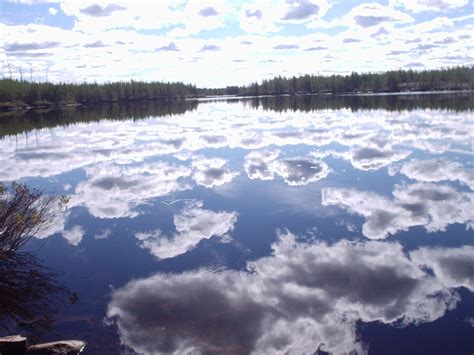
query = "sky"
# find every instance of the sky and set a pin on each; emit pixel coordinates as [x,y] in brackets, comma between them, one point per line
[219,43]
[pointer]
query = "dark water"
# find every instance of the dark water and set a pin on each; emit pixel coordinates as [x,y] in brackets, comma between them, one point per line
[267,226]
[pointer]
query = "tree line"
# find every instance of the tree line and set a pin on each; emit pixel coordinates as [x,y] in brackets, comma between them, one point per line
[18,93]
[456,78]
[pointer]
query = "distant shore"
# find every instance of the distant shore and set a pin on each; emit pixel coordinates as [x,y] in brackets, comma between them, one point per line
[18,106]
[20,94]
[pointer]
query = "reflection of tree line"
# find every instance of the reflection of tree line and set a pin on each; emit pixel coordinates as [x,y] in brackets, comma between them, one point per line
[24,121]
[306,103]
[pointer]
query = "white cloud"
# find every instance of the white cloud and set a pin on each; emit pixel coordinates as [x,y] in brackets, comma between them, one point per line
[370,15]
[132,31]
[295,171]
[56,224]
[52,11]
[74,235]
[258,164]
[104,234]
[300,297]
[432,206]
[259,17]
[440,169]
[453,267]
[193,224]
[113,191]
[211,172]
[388,136]
[428,5]
[372,157]
[301,171]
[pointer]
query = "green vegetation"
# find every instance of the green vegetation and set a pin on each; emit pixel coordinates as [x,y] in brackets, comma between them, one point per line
[15,93]
[458,78]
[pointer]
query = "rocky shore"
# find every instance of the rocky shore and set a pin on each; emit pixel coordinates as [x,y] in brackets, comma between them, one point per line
[19,345]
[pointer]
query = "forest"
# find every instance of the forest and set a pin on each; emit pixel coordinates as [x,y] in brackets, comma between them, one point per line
[21,93]
[457,78]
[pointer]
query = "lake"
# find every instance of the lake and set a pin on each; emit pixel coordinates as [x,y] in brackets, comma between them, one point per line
[264,225]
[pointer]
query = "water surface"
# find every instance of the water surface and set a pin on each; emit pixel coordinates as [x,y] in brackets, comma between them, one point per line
[271,225]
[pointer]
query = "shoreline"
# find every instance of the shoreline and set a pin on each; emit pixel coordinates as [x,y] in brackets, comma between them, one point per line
[12,106]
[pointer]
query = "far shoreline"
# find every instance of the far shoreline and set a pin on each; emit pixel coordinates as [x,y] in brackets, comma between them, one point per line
[13,107]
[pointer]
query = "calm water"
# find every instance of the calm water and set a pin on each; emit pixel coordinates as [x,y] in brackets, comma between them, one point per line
[266,226]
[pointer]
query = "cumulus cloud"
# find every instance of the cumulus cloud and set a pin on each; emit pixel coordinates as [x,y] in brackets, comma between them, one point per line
[351,40]
[169,48]
[102,21]
[213,140]
[30,54]
[210,48]
[256,13]
[432,206]
[210,172]
[96,44]
[112,191]
[301,298]
[258,164]
[412,65]
[96,10]
[369,21]
[370,156]
[374,14]
[453,267]
[318,48]
[193,224]
[440,169]
[104,234]
[295,171]
[286,46]
[20,47]
[259,17]
[208,11]
[300,9]
[74,235]
[56,224]
[301,171]
[428,5]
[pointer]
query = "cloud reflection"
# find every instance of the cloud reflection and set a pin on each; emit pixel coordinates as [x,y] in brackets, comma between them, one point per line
[423,204]
[115,191]
[368,139]
[193,224]
[440,169]
[302,297]
[295,171]
[210,172]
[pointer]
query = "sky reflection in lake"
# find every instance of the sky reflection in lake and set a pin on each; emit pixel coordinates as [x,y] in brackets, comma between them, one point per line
[260,226]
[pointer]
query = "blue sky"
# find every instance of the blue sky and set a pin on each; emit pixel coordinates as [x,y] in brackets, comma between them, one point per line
[218,43]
